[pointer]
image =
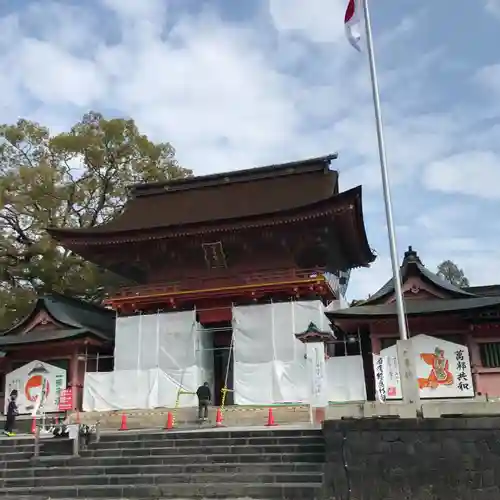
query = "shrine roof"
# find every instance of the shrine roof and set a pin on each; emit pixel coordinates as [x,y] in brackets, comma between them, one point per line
[412,266]
[36,337]
[414,308]
[218,198]
[484,290]
[75,317]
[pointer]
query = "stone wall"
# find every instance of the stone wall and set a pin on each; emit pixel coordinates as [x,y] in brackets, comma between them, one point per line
[430,459]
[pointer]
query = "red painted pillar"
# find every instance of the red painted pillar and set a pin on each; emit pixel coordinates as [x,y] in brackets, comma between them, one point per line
[73,377]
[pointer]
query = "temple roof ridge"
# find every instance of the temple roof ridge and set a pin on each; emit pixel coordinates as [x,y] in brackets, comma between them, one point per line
[73,313]
[412,261]
[229,177]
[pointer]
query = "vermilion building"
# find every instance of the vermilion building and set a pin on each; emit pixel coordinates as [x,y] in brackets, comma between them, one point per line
[275,233]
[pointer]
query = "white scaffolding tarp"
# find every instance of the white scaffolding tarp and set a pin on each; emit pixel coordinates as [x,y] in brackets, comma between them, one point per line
[155,356]
[345,377]
[270,364]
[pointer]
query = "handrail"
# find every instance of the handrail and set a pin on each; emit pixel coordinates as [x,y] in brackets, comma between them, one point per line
[201,282]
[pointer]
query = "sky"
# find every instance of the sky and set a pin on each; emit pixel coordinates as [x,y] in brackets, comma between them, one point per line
[235,84]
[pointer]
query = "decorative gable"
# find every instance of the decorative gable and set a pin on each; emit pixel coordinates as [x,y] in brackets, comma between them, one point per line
[314,334]
[42,321]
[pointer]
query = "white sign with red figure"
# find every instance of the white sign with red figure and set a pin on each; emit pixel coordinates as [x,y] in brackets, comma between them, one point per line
[36,382]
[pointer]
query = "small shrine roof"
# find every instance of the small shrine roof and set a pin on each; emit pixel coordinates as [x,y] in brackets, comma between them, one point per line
[414,308]
[411,266]
[219,198]
[74,317]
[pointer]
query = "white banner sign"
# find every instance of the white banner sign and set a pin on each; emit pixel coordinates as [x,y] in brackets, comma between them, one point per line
[316,357]
[442,369]
[38,385]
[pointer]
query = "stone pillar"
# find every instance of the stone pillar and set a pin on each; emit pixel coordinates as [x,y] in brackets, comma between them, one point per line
[408,376]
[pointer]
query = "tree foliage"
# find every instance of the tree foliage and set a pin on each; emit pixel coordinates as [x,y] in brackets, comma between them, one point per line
[449,271]
[74,179]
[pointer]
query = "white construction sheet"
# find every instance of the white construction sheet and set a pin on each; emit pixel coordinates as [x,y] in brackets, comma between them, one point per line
[270,365]
[345,379]
[134,389]
[155,356]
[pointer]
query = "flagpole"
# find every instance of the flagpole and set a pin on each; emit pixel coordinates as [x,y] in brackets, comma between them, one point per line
[403,331]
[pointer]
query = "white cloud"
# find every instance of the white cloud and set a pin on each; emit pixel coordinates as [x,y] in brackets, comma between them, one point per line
[493,6]
[235,95]
[321,21]
[475,173]
[56,76]
[489,78]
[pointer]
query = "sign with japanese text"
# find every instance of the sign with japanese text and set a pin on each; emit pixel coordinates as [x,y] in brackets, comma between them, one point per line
[379,368]
[442,369]
[66,400]
[39,386]
[316,357]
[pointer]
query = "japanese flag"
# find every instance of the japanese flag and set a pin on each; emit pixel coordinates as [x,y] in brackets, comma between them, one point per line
[352,22]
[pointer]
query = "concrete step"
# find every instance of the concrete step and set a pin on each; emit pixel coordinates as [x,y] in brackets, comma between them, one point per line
[285,491]
[161,479]
[235,468]
[205,450]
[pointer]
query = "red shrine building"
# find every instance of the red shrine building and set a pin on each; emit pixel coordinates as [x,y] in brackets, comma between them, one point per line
[210,243]
[465,316]
[67,334]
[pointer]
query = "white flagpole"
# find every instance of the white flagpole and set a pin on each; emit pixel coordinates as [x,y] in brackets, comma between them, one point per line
[403,332]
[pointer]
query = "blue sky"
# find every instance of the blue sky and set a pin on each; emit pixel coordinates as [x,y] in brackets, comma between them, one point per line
[239,84]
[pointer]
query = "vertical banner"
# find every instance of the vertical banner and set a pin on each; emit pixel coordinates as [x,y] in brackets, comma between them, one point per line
[317,369]
[380,377]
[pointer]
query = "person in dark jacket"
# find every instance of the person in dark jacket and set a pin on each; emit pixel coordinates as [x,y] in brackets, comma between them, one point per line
[11,414]
[204,398]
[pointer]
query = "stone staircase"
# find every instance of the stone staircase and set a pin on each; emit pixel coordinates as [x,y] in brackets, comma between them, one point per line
[220,463]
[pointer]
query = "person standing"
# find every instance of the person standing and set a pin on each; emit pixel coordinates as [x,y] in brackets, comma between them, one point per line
[11,414]
[204,398]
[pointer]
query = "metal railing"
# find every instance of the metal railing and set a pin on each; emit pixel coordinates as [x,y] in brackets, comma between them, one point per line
[75,437]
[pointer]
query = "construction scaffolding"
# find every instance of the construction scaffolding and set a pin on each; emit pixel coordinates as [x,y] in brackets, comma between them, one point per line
[161,359]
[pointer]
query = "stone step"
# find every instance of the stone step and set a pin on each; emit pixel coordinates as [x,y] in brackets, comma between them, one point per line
[284,491]
[205,450]
[19,445]
[213,440]
[161,479]
[249,468]
[166,460]
[278,432]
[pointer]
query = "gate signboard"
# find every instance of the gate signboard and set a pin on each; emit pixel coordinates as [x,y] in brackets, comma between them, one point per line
[36,381]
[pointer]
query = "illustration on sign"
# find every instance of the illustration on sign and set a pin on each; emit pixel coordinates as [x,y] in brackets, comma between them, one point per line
[440,373]
[39,385]
[442,369]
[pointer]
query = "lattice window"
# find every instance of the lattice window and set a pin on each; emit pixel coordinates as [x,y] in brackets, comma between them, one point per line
[214,255]
[490,354]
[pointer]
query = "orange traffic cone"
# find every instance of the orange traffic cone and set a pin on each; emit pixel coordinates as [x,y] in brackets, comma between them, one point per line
[123,426]
[33,426]
[218,418]
[270,418]
[170,421]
